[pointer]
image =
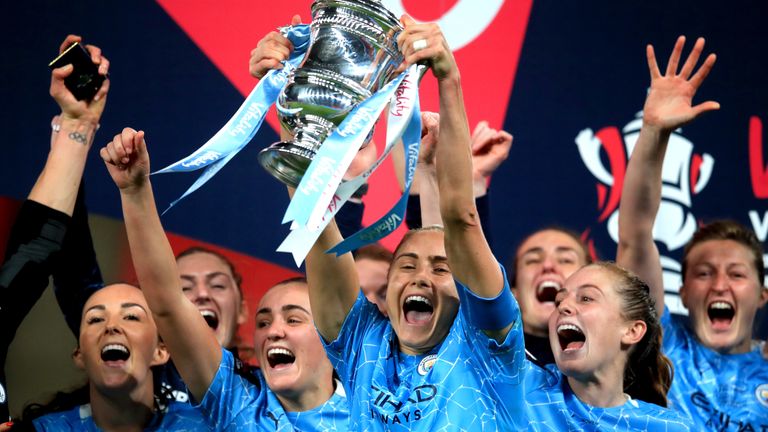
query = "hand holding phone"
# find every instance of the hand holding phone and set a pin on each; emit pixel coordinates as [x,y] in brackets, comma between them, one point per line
[84,81]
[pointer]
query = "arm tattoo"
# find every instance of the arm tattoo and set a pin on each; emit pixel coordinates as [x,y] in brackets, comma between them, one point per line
[78,137]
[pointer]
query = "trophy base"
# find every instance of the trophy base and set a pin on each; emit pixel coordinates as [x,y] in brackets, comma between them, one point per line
[286,161]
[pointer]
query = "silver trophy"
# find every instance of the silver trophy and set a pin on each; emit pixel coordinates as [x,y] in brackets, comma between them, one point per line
[352,54]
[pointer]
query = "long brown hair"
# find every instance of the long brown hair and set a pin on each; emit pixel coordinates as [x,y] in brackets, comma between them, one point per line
[648,373]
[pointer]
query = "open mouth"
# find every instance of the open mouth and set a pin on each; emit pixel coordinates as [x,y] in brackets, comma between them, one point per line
[211,318]
[571,337]
[114,353]
[418,309]
[547,291]
[721,313]
[277,357]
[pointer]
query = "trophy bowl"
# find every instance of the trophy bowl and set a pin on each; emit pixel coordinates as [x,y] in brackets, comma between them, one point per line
[353,53]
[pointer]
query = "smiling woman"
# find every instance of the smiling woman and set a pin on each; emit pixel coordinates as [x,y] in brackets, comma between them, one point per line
[719,376]
[292,358]
[441,358]
[609,372]
[541,264]
[230,395]
[118,348]
[210,281]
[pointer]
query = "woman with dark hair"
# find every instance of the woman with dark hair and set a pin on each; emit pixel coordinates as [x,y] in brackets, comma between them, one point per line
[432,363]
[720,378]
[294,387]
[118,347]
[211,282]
[450,355]
[50,235]
[539,268]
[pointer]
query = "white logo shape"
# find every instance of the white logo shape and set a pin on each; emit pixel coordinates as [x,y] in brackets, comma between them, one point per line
[675,223]
[426,364]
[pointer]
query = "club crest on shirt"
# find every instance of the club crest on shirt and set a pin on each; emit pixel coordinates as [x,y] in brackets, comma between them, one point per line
[761,393]
[425,365]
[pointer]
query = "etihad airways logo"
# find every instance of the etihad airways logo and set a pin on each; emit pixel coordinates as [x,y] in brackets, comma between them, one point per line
[684,174]
[388,410]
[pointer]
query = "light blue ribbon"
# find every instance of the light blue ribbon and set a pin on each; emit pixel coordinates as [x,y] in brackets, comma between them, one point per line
[241,128]
[394,217]
[401,116]
[324,174]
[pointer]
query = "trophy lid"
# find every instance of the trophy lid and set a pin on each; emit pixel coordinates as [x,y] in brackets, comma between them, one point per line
[373,8]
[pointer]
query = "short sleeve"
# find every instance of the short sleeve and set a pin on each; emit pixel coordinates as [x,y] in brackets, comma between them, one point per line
[229,394]
[359,338]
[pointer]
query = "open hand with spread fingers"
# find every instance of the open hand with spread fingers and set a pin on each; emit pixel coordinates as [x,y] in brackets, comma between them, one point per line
[669,104]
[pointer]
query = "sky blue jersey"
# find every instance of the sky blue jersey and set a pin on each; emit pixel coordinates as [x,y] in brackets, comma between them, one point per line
[551,405]
[239,399]
[468,382]
[721,392]
[178,417]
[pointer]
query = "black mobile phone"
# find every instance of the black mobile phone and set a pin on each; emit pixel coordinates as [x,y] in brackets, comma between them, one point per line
[85,80]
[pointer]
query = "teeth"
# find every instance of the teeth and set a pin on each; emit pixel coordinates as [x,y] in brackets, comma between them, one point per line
[114,347]
[418,298]
[277,351]
[208,313]
[548,284]
[563,327]
[720,305]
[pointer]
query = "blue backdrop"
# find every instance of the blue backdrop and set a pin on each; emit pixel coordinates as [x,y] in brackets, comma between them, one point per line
[581,70]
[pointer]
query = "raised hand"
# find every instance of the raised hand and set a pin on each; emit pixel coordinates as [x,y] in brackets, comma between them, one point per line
[271,50]
[127,160]
[669,104]
[425,42]
[71,108]
[430,131]
[490,147]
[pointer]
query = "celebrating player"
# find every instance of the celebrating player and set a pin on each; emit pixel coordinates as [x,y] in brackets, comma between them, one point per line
[718,375]
[434,362]
[230,396]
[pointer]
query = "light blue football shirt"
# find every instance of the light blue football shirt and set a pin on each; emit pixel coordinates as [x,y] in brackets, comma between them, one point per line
[240,400]
[468,382]
[551,405]
[178,417]
[722,392]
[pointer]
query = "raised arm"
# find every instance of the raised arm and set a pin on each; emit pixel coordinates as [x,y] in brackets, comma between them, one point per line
[36,238]
[425,178]
[193,346]
[333,281]
[489,149]
[469,255]
[333,284]
[667,107]
[75,271]
[72,136]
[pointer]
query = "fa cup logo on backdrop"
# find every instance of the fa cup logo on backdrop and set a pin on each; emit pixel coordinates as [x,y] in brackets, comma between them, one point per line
[684,174]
